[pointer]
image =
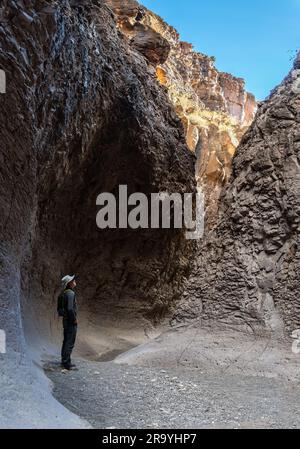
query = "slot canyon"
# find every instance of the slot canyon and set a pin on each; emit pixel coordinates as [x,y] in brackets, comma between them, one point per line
[102,94]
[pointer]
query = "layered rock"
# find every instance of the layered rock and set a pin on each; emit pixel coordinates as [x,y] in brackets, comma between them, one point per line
[248,268]
[214,107]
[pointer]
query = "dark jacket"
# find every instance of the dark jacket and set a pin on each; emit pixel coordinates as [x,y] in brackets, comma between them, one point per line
[70,312]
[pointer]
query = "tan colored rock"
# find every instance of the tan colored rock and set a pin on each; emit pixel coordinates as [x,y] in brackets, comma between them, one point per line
[214,107]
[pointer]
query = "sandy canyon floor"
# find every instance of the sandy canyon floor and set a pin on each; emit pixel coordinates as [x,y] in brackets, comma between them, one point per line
[187,377]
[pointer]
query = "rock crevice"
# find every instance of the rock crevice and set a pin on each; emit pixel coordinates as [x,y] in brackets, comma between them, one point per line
[248,268]
[214,107]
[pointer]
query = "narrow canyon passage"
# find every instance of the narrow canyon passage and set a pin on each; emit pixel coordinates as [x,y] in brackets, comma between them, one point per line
[171,332]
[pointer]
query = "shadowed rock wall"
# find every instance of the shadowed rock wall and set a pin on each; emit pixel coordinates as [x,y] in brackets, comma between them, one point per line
[247,271]
[82,114]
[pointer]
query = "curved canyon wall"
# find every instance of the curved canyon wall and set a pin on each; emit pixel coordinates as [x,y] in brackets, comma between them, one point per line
[82,115]
[214,107]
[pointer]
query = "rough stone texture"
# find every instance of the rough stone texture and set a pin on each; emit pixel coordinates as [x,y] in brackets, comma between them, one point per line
[82,114]
[214,107]
[247,271]
[143,37]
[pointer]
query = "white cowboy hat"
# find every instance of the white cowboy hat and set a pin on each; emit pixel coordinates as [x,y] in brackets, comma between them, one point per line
[65,280]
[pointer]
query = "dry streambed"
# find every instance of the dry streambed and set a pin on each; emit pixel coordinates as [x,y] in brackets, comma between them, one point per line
[187,378]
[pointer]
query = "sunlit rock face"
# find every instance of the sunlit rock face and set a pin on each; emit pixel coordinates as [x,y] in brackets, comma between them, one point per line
[214,107]
[248,268]
[144,38]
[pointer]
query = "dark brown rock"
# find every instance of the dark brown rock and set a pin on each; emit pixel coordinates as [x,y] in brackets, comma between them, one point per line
[82,114]
[151,44]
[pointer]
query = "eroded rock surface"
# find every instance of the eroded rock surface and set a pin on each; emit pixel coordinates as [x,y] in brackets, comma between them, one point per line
[214,107]
[248,268]
[82,114]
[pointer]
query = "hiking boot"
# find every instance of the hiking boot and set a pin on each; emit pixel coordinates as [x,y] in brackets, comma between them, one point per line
[70,367]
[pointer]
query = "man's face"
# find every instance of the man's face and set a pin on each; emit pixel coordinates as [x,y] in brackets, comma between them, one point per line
[73,284]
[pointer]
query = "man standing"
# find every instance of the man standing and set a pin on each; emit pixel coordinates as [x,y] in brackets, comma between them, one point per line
[69,314]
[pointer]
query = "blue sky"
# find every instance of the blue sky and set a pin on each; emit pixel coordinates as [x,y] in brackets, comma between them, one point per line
[252,39]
